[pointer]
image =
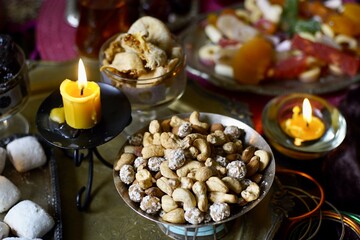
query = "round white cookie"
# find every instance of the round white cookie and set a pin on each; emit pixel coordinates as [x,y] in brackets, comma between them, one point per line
[26,153]
[3,156]
[9,194]
[4,230]
[29,220]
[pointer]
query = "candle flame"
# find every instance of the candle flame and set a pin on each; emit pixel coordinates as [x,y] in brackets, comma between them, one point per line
[307,111]
[82,80]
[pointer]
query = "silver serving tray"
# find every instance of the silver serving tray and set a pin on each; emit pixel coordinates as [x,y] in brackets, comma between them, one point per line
[251,137]
[38,185]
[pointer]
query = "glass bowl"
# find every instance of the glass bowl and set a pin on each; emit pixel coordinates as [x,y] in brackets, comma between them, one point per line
[251,137]
[280,109]
[150,94]
[14,93]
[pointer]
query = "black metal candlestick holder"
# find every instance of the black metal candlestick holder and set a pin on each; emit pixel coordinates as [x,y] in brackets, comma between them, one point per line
[83,143]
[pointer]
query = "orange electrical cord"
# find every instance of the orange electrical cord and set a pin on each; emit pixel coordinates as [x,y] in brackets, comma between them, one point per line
[321,190]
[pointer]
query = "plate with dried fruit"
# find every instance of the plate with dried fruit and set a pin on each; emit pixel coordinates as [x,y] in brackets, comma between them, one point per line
[275,48]
[194,169]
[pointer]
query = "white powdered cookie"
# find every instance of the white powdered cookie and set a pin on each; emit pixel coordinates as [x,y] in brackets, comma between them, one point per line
[26,153]
[4,230]
[9,194]
[29,220]
[20,238]
[3,156]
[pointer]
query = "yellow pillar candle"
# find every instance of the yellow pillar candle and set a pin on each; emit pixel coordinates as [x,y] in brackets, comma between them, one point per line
[303,126]
[81,101]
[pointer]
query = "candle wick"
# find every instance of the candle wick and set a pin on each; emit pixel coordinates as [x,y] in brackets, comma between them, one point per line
[307,123]
[82,91]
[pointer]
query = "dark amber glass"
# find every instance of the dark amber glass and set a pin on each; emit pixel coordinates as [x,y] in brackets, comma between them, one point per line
[99,20]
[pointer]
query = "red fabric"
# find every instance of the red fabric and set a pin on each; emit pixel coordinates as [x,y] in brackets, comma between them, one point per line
[55,38]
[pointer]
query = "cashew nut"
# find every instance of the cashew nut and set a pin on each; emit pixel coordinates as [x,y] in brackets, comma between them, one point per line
[195,120]
[125,158]
[203,146]
[157,138]
[185,196]
[166,171]
[167,203]
[174,216]
[215,165]
[136,150]
[186,182]
[203,173]
[215,184]
[222,197]
[147,139]
[154,191]
[152,151]
[264,159]
[191,152]
[189,139]
[253,166]
[176,121]
[233,184]
[164,185]
[251,193]
[217,138]
[230,148]
[190,166]
[200,191]
[170,140]
[154,127]
[248,153]
[144,178]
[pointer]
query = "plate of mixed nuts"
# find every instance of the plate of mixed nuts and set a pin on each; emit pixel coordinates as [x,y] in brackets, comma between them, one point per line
[194,169]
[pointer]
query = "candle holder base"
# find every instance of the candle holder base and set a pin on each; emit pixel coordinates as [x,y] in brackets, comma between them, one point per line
[114,119]
[280,109]
[78,157]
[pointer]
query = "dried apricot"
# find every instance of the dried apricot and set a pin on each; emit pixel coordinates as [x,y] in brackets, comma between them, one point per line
[341,24]
[212,18]
[252,60]
[352,12]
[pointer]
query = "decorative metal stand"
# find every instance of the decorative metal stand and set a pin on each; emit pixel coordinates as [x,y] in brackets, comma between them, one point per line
[209,232]
[114,118]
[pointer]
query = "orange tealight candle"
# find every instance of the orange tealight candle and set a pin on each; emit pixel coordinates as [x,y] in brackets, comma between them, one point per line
[81,101]
[303,126]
